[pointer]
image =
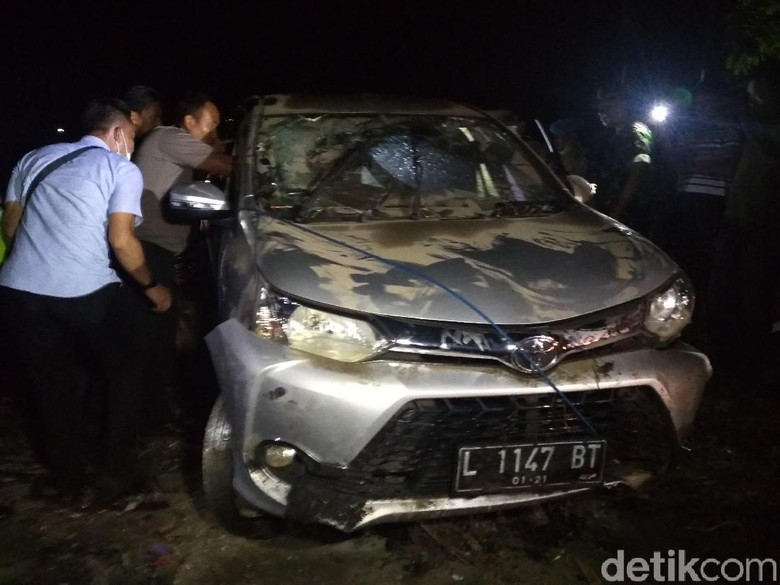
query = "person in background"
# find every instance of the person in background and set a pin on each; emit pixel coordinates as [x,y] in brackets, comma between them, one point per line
[704,155]
[566,140]
[61,302]
[168,156]
[145,109]
[622,164]
[2,242]
[528,133]
[743,287]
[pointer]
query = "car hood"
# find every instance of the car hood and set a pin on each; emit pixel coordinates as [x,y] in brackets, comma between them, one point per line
[515,271]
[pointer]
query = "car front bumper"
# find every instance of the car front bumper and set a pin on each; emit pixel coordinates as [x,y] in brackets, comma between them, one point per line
[336,414]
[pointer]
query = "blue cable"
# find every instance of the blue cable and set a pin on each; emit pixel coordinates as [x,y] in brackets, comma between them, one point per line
[444,287]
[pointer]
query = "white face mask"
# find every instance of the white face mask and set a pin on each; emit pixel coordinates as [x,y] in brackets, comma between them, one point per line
[127,154]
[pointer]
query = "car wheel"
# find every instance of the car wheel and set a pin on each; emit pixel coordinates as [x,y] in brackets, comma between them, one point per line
[217,470]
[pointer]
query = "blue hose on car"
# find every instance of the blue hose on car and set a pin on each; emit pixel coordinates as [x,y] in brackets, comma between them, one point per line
[421,275]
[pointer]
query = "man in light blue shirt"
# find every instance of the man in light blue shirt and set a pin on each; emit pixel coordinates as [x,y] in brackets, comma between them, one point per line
[61,249]
[62,307]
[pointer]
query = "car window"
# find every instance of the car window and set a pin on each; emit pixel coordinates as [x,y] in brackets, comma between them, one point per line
[384,167]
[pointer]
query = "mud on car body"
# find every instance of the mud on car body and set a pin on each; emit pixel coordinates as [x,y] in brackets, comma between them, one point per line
[418,319]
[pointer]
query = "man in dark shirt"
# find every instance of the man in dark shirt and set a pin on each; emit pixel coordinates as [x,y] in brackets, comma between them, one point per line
[744,284]
[622,163]
[145,109]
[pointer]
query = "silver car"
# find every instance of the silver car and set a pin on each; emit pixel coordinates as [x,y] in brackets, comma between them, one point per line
[419,319]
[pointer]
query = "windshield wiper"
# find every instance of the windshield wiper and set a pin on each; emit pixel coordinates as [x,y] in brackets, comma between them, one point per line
[523,209]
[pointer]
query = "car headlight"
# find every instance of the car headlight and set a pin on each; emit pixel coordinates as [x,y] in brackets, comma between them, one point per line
[332,336]
[670,311]
[315,331]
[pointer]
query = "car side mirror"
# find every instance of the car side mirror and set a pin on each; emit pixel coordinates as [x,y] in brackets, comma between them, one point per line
[583,190]
[196,201]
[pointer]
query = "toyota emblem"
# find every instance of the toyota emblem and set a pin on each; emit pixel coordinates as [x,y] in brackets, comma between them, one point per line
[543,350]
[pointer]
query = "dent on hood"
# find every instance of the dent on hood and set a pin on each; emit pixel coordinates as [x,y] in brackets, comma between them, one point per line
[519,270]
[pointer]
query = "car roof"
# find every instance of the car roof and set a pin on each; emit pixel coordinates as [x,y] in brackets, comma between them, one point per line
[362,103]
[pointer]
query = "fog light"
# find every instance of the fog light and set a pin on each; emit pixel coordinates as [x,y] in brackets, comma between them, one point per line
[278,456]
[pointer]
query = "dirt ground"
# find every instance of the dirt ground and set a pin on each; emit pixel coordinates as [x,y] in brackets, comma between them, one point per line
[720,501]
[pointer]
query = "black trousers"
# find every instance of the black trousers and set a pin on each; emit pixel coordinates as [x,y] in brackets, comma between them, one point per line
[157,332]
[691,233]
[68,349]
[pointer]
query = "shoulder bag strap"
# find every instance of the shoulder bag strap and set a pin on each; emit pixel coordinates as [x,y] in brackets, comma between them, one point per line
[45,171]
[57,162]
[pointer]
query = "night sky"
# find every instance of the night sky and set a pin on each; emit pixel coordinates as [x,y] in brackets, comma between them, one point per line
[540,58]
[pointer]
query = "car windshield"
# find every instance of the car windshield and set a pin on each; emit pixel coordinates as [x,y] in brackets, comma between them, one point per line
[399,167]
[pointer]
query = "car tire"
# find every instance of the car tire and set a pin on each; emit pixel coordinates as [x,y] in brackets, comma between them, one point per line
[222,501]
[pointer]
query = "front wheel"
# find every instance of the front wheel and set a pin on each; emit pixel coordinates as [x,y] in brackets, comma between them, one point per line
[217,471]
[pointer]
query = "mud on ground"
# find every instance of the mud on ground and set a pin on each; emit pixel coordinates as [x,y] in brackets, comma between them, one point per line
[720,501]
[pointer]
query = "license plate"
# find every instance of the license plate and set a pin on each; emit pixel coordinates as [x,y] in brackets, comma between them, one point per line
[501,468]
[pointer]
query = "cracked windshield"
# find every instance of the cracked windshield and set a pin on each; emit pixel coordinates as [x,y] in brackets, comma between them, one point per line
[400,167]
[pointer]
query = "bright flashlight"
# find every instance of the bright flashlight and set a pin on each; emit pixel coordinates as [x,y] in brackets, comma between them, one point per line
[659,113]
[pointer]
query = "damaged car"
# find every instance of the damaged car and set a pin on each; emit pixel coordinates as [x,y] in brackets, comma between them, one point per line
[417,318]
